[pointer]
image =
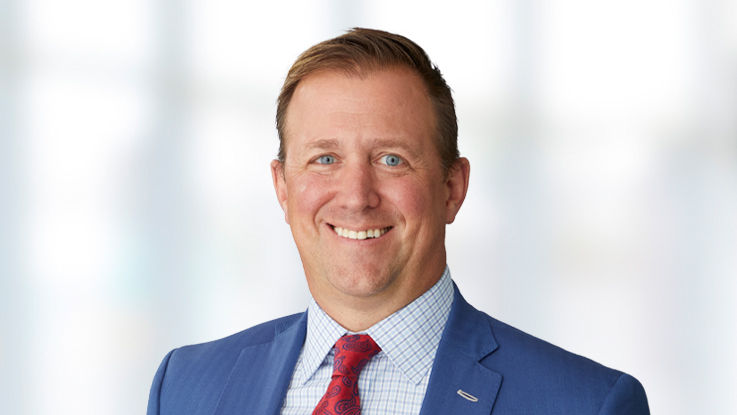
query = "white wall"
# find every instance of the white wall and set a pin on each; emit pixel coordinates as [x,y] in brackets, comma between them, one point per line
[137,212]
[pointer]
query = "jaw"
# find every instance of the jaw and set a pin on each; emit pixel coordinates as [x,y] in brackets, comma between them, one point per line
[360,282]
[360,261]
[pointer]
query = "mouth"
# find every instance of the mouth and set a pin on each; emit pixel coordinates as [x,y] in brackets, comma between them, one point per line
[360,234]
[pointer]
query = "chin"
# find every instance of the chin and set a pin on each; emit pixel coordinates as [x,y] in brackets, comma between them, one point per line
[360,284]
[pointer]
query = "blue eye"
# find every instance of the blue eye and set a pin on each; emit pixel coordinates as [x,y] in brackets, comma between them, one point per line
[326,160]
[391,160]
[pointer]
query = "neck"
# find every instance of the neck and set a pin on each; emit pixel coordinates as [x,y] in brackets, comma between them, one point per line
[357,314]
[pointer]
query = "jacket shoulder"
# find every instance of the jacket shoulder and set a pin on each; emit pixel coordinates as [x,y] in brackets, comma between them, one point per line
[532,352]
[190,378]
[261,333]
[541,374]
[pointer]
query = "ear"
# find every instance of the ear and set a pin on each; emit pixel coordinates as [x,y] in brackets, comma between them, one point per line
[456,183]
[280,185]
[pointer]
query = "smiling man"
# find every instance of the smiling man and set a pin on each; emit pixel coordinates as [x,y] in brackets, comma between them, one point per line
[363,189]
[368,177]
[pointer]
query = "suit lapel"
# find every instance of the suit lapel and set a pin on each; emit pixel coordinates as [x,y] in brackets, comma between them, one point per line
[459,383]
[260,377]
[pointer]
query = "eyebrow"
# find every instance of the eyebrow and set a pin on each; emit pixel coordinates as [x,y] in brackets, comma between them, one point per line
[393,143]
[323,144]
[331,144]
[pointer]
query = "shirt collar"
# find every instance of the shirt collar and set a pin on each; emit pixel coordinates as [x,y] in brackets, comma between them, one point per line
[409,337]
[322,333]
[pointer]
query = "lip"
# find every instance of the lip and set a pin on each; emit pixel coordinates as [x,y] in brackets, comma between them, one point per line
[385,229]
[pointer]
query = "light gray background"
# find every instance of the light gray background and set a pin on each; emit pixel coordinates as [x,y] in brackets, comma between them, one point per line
[137,211]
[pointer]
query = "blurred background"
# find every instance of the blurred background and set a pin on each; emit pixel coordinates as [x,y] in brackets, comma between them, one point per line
[137,212]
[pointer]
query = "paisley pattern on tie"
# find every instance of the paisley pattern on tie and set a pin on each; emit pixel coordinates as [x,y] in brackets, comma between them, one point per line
[352,352]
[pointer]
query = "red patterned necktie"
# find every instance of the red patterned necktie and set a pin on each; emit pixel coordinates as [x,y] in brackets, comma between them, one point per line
[352,352]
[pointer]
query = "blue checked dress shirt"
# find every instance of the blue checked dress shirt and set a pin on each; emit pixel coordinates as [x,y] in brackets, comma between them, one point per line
[394,381]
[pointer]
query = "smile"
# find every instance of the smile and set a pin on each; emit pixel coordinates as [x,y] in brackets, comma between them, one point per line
[362,234]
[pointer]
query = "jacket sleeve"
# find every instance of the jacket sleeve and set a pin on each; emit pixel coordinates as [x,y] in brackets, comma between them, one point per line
[154,397]
[627,396]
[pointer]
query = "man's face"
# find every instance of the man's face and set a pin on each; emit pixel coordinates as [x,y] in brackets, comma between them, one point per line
[363,189]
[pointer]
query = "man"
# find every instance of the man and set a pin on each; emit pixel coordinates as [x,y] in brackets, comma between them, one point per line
[368,176]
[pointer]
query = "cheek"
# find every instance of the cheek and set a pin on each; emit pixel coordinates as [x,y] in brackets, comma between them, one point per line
[411,198]
[307,194]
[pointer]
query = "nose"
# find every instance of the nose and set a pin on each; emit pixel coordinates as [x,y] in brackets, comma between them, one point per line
[357,187]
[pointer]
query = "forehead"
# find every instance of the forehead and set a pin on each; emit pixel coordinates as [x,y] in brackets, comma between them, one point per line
[383,104]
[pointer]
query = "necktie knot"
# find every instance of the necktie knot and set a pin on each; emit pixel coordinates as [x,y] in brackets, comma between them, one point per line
[352,352]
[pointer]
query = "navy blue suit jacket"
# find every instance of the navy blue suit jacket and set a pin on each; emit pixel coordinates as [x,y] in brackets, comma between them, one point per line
[508,371]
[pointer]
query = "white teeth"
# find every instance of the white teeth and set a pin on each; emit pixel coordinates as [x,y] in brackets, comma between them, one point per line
[369,233]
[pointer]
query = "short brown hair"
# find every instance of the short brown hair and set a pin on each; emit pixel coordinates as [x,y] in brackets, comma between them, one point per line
[362,50]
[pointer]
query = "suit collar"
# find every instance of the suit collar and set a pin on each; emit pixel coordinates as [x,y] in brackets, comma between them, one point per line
[468,330]
[260,377]
[458,377]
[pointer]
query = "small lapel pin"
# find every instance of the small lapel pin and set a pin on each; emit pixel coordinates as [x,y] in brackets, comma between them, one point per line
[467,396]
